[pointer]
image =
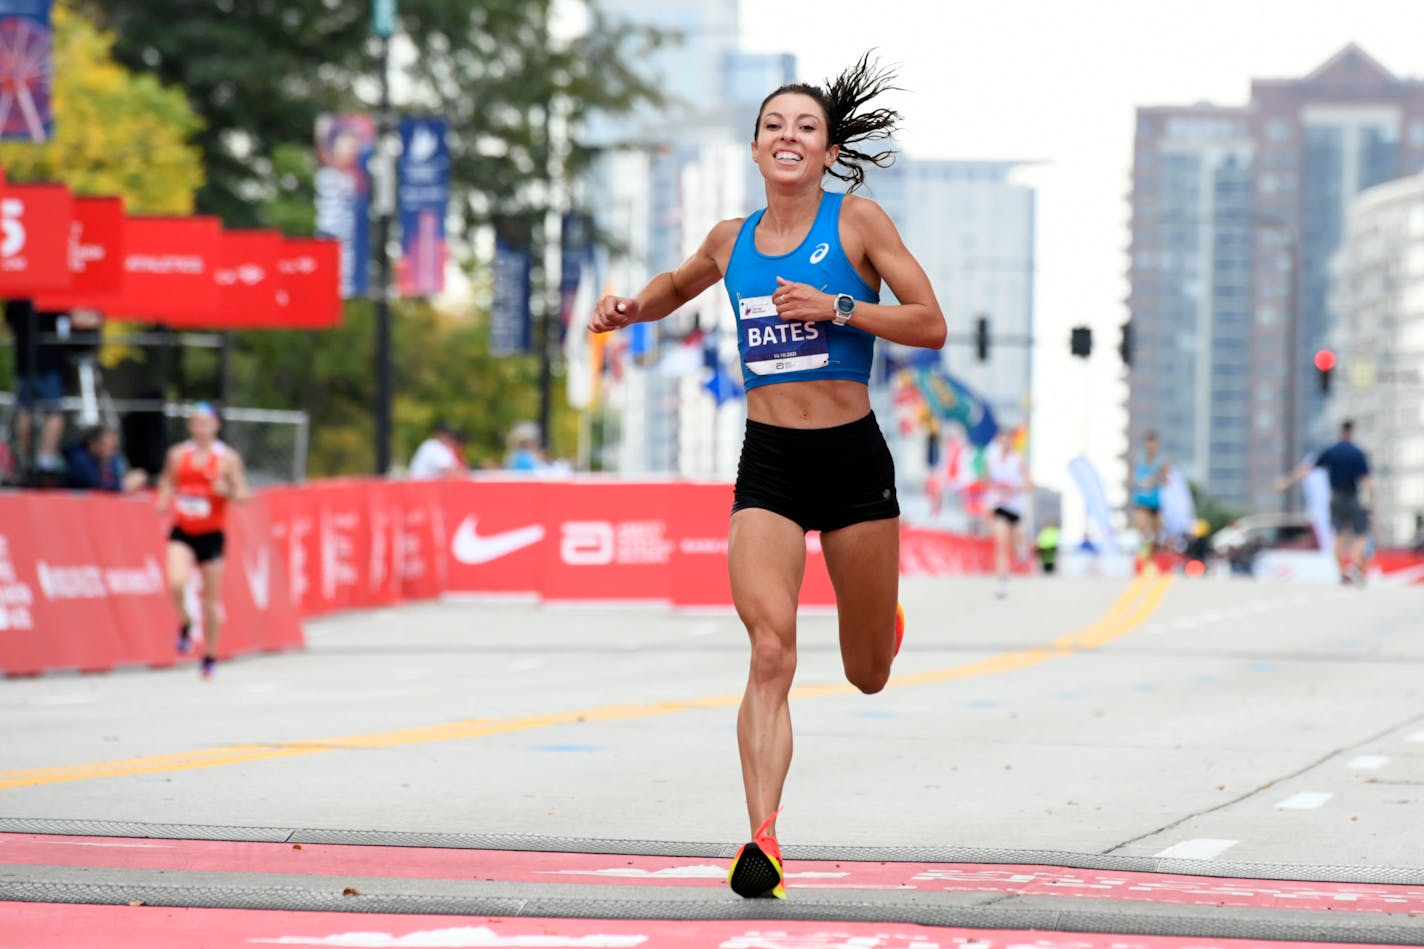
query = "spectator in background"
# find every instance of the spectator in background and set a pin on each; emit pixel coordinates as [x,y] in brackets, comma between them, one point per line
[95,464]
[39,387]
[440,455]
[524,452]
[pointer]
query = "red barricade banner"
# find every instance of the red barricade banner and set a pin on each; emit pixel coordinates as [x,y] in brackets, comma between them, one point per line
[697,572]
[82,585]
[34,238]
[497,535]
[384,512]
[96,255]
[420,541]
[128,539]
[258,612]
[608,540]
[292,517]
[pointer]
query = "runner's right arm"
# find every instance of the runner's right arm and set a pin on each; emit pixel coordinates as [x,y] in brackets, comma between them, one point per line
[670,290]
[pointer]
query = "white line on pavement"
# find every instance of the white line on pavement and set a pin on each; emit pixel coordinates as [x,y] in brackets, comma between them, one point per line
[1306,800]
[1369,761]
[1417,736]
[1200,848]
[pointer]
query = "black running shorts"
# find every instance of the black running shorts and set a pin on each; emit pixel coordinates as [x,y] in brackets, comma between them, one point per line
[821,478]
[205,547]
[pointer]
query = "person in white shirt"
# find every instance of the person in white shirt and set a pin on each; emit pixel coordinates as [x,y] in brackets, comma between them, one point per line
[438,456]
[1007,501]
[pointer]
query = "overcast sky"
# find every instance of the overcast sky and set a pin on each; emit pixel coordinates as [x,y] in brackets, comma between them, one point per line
[1059,82]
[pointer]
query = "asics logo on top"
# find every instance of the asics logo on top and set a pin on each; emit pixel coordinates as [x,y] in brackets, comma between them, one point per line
[468,546]
[819,254]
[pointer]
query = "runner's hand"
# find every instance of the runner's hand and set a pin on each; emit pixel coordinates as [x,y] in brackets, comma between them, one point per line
[802,302]
[613,313]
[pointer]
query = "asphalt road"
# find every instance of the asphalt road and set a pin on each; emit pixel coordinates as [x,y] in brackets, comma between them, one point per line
[1223,724]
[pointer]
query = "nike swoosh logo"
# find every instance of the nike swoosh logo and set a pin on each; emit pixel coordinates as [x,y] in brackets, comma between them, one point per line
[469,547]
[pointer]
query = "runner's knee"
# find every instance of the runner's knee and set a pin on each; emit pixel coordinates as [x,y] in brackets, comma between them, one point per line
[773,659]
[868,676]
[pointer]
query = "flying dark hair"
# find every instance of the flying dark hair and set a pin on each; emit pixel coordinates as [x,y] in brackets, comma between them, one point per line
[840,100]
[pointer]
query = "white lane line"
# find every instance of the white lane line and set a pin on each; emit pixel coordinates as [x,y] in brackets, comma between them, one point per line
[1306,800]
[1417,736]
[1200,848]
[1369,761]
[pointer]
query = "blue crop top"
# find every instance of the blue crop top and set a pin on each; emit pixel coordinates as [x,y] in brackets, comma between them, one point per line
[775,350]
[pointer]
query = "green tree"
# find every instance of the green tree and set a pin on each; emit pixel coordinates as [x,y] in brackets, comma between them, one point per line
[259,72]
[115,132]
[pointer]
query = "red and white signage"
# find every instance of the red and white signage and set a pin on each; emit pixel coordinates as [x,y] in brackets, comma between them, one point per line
[309,292]
[169,271]
[248,279]
[497,536]
[34,238]
[96,255]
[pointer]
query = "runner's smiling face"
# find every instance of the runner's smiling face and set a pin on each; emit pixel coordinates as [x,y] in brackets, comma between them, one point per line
[793,142]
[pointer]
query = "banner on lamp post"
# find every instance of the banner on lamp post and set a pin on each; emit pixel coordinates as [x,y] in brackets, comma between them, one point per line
[511,324]
[344,146]
[422,196]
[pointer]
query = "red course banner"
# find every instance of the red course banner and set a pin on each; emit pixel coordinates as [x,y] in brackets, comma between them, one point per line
[96,255]
[309,290]
[248,280]
[34,238]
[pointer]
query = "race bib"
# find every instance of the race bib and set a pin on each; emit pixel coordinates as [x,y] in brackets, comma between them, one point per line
[190,506]
[774,345]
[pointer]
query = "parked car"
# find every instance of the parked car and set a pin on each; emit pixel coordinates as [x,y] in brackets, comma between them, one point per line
[1241,541]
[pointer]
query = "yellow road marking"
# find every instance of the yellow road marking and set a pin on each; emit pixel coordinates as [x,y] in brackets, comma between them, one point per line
[1141,598]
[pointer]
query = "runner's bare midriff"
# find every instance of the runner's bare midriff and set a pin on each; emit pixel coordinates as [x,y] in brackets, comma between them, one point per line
[816,403]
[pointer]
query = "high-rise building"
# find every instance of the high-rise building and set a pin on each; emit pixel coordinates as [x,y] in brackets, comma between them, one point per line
[1378,308]
[970,224]
[1236,215]
[1190,295]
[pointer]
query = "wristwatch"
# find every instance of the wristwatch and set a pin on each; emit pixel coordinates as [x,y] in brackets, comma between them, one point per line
[845,308]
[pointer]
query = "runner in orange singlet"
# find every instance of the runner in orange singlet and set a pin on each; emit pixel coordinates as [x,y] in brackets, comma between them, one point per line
[199,477]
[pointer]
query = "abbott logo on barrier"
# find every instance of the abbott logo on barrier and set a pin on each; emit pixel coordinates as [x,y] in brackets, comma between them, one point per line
[470,547]
[587,543]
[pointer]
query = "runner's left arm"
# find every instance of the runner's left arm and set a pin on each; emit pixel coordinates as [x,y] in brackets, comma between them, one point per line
[237,478]
[916,320]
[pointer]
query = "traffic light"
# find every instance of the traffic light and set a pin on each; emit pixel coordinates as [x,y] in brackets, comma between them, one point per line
[1324,365]
[1082,341]
[981,338]
[1124,347]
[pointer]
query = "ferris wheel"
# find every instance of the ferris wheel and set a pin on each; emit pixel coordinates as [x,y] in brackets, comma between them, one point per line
[26,78]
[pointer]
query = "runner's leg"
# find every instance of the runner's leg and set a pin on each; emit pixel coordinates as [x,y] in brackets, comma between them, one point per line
[212,599]
[180,570]
[766,556]
[863,561]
